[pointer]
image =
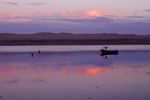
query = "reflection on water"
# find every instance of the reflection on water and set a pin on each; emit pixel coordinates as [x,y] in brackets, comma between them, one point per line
[74,75]
[55,48]
[106,55]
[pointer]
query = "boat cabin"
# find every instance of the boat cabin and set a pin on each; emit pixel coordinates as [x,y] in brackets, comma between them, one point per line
[105,48]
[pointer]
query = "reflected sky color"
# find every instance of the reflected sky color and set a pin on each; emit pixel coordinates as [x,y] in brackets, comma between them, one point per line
[79,69]
[75,75]
[64,48]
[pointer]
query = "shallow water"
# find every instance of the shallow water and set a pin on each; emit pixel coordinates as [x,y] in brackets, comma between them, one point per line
[55,48]
[75,75]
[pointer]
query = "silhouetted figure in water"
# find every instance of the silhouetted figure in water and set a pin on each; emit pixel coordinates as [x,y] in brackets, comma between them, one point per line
[39,51]
[31,54]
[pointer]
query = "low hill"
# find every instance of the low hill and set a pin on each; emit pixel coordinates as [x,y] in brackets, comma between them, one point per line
[47,38]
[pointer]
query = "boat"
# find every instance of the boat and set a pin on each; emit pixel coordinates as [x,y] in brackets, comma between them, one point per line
[106,51]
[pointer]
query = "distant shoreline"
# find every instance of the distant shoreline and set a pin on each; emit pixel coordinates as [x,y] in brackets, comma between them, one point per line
[48,38]
[78,42]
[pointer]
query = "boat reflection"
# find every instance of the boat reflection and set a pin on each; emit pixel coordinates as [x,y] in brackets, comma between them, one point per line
[106,55]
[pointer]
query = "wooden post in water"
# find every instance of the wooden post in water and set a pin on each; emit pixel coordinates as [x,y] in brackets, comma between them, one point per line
[31,54]
[39,51]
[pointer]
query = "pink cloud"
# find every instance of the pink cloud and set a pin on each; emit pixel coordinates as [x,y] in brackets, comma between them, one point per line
[88,13]
[51,17]
[83,14]
[6,14]
[11,3]
[94,13]
[64,14]
[74,14]
[11,17]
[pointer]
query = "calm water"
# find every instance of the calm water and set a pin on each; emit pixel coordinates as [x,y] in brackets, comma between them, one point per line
[47,48]
[74,73]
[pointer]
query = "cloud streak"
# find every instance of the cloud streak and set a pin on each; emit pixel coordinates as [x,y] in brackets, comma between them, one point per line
[33,3]
[11,17]
[135,17]
[147,10]
[11,3]
[36,4]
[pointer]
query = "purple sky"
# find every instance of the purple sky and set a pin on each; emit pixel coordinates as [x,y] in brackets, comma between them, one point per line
[96,16]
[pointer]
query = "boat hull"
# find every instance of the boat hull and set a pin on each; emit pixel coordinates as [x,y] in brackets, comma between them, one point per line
[109,51]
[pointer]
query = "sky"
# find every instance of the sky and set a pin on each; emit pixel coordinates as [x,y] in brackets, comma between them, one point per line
[75,16]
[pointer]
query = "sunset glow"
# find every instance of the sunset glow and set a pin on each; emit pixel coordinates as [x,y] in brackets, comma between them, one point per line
[6,68]
[114,16]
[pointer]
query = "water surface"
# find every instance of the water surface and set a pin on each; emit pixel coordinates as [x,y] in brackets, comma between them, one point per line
[74,75]
[55,48]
